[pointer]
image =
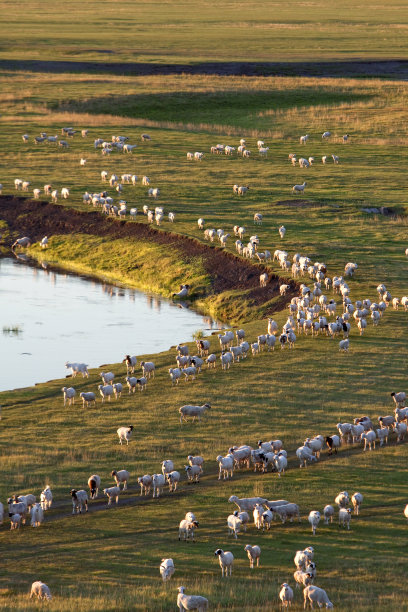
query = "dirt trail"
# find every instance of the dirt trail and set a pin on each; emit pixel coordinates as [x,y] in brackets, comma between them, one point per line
[227,271]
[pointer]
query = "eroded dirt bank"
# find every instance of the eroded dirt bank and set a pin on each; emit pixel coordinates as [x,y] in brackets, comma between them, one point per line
[227,271]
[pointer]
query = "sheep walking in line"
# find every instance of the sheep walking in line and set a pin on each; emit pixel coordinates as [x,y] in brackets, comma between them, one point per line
[121,477]
[113,494]
[79,501]
[94,482]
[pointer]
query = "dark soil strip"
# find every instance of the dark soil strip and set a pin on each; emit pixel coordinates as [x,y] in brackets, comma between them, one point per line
[227,271]
[388,69]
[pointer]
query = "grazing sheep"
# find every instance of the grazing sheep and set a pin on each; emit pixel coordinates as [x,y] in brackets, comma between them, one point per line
[286,595]
[167,569]
[191,602]
[125,433]
[314,520]
[314,594]
[175,374]
[328,513]
[193,411]
[254,553]
[326,135]
[288,511]
[79,501]
[40,590]
[302,578]
[246,504]
[345,517]
[21,242]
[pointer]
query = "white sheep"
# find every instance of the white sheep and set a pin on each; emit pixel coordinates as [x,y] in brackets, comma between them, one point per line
[328,513]
[246,504]
[193,472]
[106,391]
[148,368]
[94,482]
[79,501]
[357,500]
[303,557]
[226,560]
[145,483]
[369,438]
[226,466]
[345,517]
[112,493]
[193,411]
[117,390]
[40,590]
[37,515]
[125,433]
[302,578]
[314,594]
[282,231]
[15,521]
[121,477]
[158,481]
[314,520]
[299,188]
[173,478]
[304,139]
[286,595]
[46,498]
[234,524]
[254,553]
[69,395]
[191,602]
[78,368]
[326,135]
[167,569]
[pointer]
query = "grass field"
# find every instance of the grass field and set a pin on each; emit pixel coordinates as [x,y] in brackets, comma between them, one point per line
[109,559]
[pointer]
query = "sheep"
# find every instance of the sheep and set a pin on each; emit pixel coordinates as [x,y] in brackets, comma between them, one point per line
[303,163]
[226,466]
[175,374]
[369,438]
[258,514]
[399,398]
[314,520]
[172,216]
[105,391]
[128,148]
[141,383]
[328,513]
[197,460]
[191,602]
[345,517]
[326,135]
[37,515]
[263,151]
[69,395]
[357,500]
[226,560]
[112,493]
[158,481]
[356,431]
[342,499]
[303,557]
[187,528]
[79,501]
[386,421]
[305,454]
[304,139]
[234,524]
[167,569]
[400,429]
[94,482]
[406,511]
[153,193]
[193,411]
[46,498]
[254,553]
[117,390]
[299,188]
[266,519]
[282,231]
[286,595]
[288,511]
[336,159]
[314,594]
[40,590]
[65,193]
[344,430]
[258,219]
[382,435]
[145,483]
[15,521]
[189,371]
[263,279]
[200,223]
[77,368]
[246,504]
[211,360]
[107,377]
[148,368]
[302,578]
[131,382]
[344,345]
[131,362]
[125,433]
[333,443]
[36,193]
[193,472]
[21,242]
[167,466]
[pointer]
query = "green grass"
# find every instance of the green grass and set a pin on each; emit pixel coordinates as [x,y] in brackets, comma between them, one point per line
[109,560]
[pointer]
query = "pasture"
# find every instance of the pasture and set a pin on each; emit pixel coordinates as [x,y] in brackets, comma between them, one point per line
[108,559]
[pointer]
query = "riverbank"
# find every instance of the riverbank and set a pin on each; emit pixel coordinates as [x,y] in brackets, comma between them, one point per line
[144,257]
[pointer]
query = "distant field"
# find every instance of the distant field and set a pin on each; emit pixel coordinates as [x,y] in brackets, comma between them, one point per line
[182,32]
[109,560]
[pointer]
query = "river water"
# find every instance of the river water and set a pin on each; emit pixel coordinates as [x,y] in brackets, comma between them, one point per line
[49,317]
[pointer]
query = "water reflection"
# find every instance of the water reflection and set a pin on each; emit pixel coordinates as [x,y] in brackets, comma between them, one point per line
[64,317]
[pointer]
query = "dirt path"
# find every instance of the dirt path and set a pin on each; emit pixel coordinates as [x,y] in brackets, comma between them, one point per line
[227,271]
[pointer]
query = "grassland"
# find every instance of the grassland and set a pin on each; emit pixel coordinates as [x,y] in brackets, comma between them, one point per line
[108,560]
